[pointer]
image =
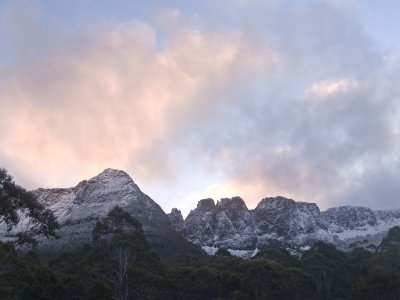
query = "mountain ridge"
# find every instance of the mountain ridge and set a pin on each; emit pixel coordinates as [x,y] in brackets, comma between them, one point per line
[226,223]
[280,221]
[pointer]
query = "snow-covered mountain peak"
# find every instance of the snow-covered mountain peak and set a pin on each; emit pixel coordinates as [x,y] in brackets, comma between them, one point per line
[110,172]
[77,209]
[278,202]
[206,204]
[95,197]
[109,185]
[112,179]
[232,203]
[176,211]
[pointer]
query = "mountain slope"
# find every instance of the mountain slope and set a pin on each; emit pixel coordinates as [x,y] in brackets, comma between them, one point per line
[77,210]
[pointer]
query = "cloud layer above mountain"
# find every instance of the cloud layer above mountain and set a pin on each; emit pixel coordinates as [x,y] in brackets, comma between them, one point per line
[275,98]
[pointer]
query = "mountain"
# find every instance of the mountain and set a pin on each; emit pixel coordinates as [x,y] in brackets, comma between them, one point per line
[77,209]
[280,221]
[227,223]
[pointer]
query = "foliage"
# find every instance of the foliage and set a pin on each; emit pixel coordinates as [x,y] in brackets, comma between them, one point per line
[15,202]
[391,241]
[223,252]
[120,265]
[281,256]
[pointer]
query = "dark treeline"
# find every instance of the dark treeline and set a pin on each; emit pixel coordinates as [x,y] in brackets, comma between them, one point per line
[119,264]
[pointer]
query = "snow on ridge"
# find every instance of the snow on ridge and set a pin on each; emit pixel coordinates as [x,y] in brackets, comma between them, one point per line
[78,208]
[227,223]
[210,250]
[284,223]
[367,230]
[90,197]
[241,253]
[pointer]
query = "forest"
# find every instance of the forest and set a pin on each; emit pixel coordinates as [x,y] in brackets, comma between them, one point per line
[119,264]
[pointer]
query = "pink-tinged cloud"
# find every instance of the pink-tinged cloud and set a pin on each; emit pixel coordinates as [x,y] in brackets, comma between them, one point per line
[264,98]
[113,96]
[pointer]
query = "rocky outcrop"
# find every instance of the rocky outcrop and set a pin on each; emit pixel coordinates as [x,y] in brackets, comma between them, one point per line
[227,223]
[281,221]
[284,220]
[347,218]
[176,219]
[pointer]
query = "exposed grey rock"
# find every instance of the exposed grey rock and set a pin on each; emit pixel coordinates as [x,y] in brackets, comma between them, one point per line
[285,222]
[347,217]
[235,224]
[199,223]
[227,223]
[388,215]
[176,219]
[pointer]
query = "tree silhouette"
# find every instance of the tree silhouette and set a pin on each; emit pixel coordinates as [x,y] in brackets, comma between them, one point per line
[21,212]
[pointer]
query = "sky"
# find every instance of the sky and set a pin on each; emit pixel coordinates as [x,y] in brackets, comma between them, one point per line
[198,99]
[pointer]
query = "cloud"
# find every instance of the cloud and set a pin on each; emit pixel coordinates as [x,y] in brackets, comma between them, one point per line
[112,96]
[275,98]
[325,90]
[330,152]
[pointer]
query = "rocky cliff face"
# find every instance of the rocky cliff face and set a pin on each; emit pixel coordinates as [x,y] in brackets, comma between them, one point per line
[78,208]
[342,218]
[176,219]
[227,223]
[284,221]
[281,221]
